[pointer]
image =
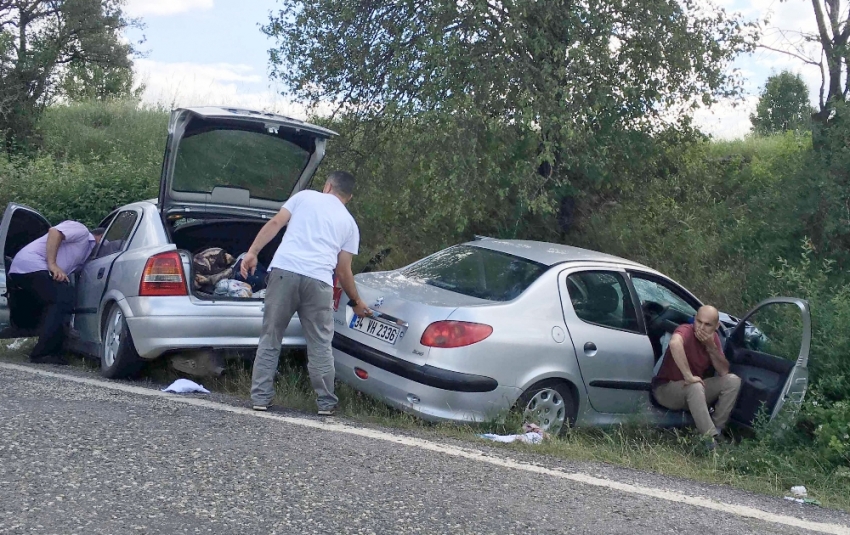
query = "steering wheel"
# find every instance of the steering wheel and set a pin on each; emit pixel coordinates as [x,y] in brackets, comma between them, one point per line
[656,314]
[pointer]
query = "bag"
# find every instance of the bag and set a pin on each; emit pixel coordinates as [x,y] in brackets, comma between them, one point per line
[210,266]
[257,281]
[233,288]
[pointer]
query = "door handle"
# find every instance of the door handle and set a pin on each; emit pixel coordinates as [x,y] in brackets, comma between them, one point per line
[590,349]
[100,273]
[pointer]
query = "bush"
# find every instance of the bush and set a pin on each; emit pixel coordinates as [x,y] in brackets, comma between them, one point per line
[825,415]
[95,156]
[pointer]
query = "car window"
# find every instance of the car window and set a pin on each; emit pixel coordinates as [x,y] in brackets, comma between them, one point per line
[656,292]
[117,234]
[477,272]
[775,329]
[266,165]
[602,298]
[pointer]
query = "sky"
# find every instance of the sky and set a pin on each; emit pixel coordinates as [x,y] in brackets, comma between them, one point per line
[213,52]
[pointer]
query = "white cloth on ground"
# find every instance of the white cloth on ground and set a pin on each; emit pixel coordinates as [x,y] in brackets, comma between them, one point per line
[528,438]
[184,386]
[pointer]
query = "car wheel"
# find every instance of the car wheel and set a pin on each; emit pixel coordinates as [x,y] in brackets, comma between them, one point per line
[549,404]
[118,357]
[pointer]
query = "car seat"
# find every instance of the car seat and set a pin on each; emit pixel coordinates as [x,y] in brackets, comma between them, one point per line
[603,306]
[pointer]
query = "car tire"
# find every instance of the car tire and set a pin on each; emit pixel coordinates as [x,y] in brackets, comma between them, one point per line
[118,357]
[549,404]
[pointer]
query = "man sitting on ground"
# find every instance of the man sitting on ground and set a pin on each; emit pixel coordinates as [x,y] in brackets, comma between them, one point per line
[683,381]
[40,293]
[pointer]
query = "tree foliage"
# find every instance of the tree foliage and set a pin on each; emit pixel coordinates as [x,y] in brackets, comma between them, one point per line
[84,82]
[578,78]
[594,61]
[783,105]
[41,41]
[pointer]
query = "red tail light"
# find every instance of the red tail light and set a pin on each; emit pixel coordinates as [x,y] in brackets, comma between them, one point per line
[454,334]
[163,275]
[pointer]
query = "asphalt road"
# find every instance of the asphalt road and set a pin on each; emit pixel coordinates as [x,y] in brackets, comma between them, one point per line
[93,457]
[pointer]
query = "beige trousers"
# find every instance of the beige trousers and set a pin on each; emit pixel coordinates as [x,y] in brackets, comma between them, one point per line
[697,398]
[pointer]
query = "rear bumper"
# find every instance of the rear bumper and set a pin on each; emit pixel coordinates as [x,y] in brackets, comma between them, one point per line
[426,375]
[430,393]
[161,324]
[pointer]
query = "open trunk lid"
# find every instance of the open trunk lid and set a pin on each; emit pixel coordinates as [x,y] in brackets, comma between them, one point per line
[236,162]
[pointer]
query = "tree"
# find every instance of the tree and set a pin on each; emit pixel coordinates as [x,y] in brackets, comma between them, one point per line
[40,40]
[81,82]
[828,49]
[578,73]
[783,105]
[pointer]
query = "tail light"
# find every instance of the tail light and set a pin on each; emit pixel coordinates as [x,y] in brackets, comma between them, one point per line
[337,293]
[454,334]
[163,275]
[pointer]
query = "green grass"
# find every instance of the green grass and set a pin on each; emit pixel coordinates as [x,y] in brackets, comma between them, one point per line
[678,453]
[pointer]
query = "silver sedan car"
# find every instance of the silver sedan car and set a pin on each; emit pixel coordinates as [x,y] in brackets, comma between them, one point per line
[565,335]
[226,171]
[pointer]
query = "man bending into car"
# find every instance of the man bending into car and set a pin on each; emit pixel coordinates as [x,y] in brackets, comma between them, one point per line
[683,380]
[321,237]
[40,293]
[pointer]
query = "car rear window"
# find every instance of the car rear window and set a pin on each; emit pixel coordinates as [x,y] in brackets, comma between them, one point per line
[266,165]
[477,272]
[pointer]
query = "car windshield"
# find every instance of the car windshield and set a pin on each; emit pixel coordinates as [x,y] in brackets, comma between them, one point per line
[477,272]
[266,165]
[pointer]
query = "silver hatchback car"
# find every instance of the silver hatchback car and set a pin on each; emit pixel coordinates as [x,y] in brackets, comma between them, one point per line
[565,335]
[226,171]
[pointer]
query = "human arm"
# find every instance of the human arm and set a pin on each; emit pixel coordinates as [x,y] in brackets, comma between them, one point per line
[266,234]
[54,239]
[346,280]
[677,350]
[718,359]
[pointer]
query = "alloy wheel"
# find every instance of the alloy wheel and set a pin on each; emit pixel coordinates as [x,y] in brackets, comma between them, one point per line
[546,408]
[112,337]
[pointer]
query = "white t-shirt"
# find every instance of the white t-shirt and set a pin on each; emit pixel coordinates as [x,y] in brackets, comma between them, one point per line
[319,229]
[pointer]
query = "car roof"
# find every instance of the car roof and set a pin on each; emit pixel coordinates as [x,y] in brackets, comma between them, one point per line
[232,112]
[550,254]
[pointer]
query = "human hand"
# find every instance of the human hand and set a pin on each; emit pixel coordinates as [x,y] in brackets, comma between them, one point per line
[57,274]
[693,379]
[361,310]
[249,264]
[704,338]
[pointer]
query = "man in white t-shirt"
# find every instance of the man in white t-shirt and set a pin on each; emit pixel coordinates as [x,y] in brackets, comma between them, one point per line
[321,237]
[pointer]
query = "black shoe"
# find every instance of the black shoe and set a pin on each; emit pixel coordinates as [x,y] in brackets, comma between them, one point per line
[327,412]
[262,408]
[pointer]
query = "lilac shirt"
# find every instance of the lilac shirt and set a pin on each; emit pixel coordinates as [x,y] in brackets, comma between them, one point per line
[73,250]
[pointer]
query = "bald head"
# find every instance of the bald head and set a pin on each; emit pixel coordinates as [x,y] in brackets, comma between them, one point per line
[707,320]
[709,314]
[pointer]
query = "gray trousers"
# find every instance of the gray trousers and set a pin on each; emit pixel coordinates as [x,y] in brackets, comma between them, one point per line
[286,294]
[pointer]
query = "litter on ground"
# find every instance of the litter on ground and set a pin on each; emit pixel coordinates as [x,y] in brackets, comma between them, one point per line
[533,435]
[184,386]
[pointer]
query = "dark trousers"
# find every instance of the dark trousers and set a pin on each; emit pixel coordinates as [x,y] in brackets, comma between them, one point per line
[36,301]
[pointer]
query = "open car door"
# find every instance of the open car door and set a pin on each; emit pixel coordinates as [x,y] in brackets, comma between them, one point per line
[769,350]
[20,225]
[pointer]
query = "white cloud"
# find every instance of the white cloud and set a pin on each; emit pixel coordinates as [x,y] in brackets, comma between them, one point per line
[191,84]
[138,8]
[726,119]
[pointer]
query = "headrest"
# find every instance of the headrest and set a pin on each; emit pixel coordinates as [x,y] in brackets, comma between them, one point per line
[605,300]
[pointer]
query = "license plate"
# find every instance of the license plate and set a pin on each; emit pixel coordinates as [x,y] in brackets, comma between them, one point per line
[376,329]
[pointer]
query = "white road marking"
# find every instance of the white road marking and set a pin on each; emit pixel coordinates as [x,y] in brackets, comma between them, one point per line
[472,454]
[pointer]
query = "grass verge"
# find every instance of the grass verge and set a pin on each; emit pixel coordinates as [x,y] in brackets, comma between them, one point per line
[748,465]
